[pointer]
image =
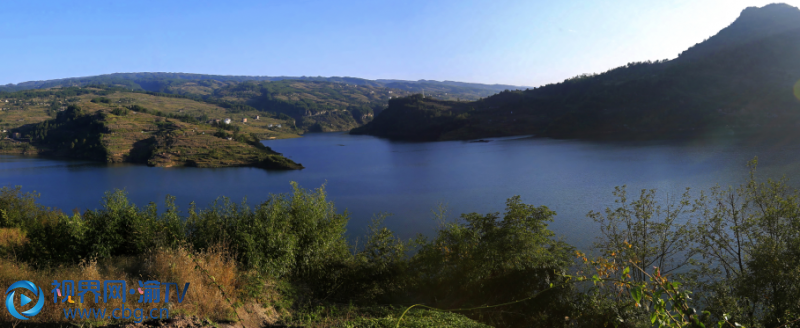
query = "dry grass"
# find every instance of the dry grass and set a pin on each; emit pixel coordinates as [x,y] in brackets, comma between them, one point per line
[11,237]
[12,271]
[11,242]
[208,272]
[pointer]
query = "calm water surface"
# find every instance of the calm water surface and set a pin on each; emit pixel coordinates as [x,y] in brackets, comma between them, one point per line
[367,175]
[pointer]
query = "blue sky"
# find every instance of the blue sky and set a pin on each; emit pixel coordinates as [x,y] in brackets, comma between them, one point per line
[527,43]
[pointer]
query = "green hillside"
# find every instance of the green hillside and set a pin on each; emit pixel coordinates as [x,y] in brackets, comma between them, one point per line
[111,125]
[314,103]
[34,106]
[745,79]
[315,106]
[122,135]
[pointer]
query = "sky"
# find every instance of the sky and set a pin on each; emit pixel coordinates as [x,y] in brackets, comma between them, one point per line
[523,43]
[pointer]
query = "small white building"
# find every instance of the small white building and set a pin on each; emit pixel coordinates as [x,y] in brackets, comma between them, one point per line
[279,125]
[257,117]
[227,121]
[269,126]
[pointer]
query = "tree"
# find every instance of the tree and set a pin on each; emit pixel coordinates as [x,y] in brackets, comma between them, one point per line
[492,259]
[646,233]
[72,112]
[748,239]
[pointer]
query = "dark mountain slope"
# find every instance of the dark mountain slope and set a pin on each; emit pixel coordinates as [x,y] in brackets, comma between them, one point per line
[752,25]
[728,84]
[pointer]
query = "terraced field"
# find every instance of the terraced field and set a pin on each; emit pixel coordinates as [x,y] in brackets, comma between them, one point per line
[39,109]
[161,131]
[139,137]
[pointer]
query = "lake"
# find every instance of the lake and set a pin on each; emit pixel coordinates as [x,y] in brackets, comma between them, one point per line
[367,175]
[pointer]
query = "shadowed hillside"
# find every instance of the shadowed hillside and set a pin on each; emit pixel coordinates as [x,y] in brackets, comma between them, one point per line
[744,79]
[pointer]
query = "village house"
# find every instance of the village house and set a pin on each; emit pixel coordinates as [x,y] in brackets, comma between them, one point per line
[269,126]
[17,135]
[279,125]
[244,120]
[227,121]
[257,117]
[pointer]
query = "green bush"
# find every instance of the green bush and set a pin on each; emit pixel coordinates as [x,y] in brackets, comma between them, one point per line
[18,208]
[119,111]
[297,234]
[377,273]
[56,240]
[489,259]
[119,228]
[103,100]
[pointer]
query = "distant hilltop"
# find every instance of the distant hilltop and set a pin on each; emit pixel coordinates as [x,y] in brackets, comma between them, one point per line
[752,25]
[162,82]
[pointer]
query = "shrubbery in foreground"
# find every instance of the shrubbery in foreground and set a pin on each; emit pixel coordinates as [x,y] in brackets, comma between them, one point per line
[735,248]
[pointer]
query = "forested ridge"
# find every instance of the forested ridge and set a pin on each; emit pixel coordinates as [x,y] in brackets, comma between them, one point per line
[744,79]
[173,82]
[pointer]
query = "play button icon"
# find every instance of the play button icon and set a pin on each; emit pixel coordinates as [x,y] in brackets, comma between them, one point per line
[24,300]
